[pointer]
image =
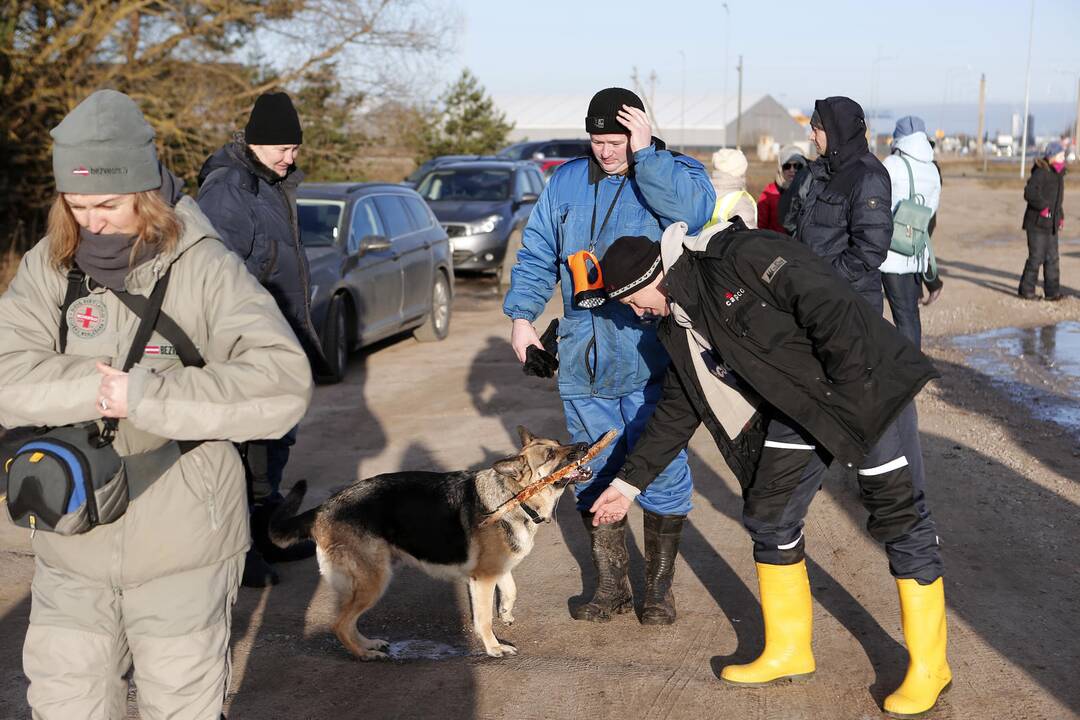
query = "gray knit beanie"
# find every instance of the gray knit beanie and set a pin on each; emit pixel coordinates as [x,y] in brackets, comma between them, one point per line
[105,147]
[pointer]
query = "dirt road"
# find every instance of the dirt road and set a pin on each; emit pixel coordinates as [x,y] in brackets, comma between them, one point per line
[1003,484]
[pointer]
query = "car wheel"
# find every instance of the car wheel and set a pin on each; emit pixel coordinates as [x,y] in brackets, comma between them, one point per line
[437,325]
[513,244]
[336,346]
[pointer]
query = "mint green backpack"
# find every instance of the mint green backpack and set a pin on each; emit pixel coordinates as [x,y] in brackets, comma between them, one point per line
[911,223]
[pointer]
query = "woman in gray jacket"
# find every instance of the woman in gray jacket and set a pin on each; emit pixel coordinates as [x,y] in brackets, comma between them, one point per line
[154,588]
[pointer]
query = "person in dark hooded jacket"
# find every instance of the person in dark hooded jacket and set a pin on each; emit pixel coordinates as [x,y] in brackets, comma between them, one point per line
[844,205]
[1044,218]
[248,190]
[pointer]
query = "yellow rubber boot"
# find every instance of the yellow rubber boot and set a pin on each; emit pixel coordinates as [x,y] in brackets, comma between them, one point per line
[786,605]
[922,614]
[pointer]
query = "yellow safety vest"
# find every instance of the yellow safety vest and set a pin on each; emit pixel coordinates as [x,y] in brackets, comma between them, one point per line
[725,204]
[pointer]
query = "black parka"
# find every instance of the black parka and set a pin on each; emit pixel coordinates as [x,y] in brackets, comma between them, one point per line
[845,201]
[254,210]
[794,333]
[1045,189]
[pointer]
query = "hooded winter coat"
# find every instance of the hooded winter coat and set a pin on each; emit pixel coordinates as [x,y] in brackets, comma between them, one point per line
[254,210]
[916,149]
[1045,189]
[256,384]
[794,335]
[846,199]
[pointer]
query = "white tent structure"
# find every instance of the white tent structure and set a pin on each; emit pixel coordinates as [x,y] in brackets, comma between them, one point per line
[697,121]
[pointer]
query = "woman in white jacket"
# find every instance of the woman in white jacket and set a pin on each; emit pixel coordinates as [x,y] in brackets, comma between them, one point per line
[901,275]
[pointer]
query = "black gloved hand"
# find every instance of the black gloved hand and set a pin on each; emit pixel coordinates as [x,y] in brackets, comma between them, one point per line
[544,363]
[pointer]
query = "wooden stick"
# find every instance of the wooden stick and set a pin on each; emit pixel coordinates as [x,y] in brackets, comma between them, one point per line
[495,515]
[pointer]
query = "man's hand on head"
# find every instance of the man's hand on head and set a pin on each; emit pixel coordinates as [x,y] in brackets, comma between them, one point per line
[637,122]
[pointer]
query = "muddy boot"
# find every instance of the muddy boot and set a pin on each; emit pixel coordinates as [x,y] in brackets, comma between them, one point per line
[662,533]
[612,596]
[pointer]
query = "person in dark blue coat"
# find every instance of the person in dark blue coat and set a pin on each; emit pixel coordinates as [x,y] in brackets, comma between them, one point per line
[611,364]
[248,190]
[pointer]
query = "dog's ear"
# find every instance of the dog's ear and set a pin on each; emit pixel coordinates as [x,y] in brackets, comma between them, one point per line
[526,436]
[511,467]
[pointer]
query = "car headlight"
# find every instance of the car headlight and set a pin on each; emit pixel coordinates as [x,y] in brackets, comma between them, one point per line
[484,225]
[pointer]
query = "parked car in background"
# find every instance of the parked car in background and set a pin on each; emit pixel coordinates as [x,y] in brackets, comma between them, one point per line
[414,178]
[380,265]
[483,205]
[547,154]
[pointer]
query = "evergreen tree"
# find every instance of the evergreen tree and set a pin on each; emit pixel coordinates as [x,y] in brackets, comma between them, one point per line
[465,123]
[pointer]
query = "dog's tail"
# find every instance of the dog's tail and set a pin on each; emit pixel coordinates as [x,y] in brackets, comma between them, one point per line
[288,528]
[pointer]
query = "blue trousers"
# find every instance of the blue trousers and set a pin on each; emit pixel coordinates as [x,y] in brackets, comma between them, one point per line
[587,419]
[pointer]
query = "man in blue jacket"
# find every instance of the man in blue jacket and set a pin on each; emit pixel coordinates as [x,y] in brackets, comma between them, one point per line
[611,364]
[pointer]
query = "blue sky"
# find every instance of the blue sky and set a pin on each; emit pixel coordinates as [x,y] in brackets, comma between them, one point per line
[931,52]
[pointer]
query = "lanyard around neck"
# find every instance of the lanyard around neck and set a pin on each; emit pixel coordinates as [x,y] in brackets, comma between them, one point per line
[593,235]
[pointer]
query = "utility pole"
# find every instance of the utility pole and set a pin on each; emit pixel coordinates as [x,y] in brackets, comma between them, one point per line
[982,121]
[738,111]
[682,109]
[723,100]
[1027,95]
[1076,124]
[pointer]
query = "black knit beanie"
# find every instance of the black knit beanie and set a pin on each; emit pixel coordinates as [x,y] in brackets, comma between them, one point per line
[273,121]
[631,263]
[604,110]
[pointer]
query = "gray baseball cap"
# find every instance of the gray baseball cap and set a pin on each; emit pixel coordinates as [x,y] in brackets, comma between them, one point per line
[105,146]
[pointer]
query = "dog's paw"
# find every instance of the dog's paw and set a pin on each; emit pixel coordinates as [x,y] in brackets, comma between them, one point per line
[377,645]
[501,650]
[506,616]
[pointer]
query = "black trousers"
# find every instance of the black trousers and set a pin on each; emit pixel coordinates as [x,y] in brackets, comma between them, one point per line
[1042,253]
[891,485]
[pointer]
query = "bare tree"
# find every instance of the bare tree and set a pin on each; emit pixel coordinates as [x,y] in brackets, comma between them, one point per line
[189,65]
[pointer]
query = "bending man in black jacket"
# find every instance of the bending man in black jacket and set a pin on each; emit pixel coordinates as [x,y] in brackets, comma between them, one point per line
[788,369]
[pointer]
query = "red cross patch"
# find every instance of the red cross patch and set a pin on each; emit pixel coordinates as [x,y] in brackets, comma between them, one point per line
[87,317]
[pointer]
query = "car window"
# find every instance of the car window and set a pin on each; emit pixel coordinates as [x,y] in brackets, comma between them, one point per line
[419,212]
[546,150]
[521,183]
[572,150]
[515,152]
[395,217]
[365,222]
[465,184]
[536,180]
[318,221]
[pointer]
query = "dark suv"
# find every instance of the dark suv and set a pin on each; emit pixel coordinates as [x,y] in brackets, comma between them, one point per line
[483,205]
[547,154]
[380,264]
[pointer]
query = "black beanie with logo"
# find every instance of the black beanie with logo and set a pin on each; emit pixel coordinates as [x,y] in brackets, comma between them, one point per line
[603,116]
[273,121]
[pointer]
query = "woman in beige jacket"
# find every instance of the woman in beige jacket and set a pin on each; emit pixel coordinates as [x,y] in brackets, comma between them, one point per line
[155,588]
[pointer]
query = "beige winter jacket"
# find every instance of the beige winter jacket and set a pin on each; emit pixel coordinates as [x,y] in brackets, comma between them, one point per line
[256,384]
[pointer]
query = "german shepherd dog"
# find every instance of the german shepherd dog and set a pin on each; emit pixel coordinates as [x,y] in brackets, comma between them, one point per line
[430,520]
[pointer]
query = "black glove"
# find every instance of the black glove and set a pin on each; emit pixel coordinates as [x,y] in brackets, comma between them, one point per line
[544,363]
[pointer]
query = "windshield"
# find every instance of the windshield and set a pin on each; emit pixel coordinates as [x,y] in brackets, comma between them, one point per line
[466,185]
[318,220]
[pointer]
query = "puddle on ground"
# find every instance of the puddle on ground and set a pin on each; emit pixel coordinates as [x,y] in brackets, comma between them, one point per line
[423,650]
[1038,367]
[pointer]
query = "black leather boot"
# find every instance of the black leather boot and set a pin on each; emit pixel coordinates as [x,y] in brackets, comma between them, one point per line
[662,533]
[261,513]
[612,596]
[257,572]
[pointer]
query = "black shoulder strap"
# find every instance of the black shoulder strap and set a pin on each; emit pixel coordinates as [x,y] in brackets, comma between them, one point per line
[76,288]
[148,320]
[169,329]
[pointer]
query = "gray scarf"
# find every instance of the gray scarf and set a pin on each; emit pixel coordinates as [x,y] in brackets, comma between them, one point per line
[105,258]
